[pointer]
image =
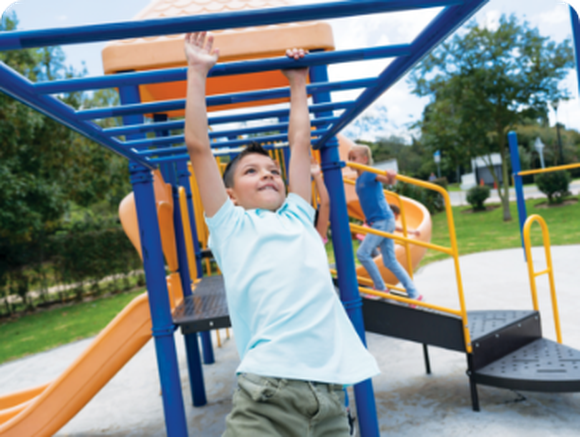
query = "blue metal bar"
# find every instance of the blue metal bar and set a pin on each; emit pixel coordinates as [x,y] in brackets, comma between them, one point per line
[224,20]
[226,99]
[228,143]
[225,69]
[179,139]
[342,244]
[20,88]
[163,327]
[223,119]
[442,26]
[576,35]
[217,152]
[518,184]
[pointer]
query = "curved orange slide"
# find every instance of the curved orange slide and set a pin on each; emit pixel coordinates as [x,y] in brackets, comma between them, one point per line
[42,411]
[416,215]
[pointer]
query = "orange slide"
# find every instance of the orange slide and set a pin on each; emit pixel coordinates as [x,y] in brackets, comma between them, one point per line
[43,410]
[416,215]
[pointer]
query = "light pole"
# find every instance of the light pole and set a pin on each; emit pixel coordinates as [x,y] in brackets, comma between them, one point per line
[555,105]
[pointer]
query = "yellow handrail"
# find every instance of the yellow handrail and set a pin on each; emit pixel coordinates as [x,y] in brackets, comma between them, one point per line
[549,169]
[403,222]
[453,251]
[549,271]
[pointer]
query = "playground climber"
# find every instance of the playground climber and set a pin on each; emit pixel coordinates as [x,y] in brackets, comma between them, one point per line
[296,344]
[379,216]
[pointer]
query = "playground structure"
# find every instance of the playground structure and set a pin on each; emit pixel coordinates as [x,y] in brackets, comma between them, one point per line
[168,222]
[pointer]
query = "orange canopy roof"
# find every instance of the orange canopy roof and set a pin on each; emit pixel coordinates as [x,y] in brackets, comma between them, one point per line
[249,43]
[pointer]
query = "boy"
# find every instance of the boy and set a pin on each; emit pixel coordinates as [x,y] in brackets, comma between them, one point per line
[379,216]
[296,344]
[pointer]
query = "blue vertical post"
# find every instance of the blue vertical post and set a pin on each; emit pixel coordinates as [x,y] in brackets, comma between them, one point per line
[194,366]
[347,283]
[519,188]
[576,35]
[163,328]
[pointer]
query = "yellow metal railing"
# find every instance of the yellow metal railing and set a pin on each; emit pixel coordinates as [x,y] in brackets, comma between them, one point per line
[452,251]
[549,169]
[403,222]
[548,271]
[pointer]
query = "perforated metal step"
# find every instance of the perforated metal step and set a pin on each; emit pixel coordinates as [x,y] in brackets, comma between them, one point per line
[483,323]
[206,309]
[542,365]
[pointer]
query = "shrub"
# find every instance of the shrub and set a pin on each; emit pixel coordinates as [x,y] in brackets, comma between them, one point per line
[476,196]
[554,185]
[432,200]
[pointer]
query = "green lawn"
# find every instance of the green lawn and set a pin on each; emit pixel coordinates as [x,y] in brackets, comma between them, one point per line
[487,231]
[49,328]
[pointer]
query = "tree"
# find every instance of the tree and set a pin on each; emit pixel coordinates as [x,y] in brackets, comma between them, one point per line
[482,83]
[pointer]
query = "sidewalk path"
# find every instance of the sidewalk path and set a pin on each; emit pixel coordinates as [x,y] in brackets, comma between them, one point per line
[409,403]
[459,198]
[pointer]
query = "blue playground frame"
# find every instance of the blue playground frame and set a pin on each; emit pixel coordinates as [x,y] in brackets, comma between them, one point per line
[170,155]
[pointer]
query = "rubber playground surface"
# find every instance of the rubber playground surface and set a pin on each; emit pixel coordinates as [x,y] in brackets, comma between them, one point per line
[409,402]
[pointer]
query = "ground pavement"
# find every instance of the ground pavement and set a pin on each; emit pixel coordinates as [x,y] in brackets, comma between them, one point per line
[409,402]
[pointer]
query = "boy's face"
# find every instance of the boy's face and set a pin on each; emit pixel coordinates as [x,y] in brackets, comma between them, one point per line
[357,156]
[257,183]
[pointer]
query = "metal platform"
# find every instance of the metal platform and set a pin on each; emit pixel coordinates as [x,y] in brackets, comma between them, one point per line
[206,309]
[542,365]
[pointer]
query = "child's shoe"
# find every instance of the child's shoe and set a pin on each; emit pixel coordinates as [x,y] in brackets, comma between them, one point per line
[419,298]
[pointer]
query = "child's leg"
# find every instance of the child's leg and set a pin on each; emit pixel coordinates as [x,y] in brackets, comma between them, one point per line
[365,256]
[390,261]
[265,407]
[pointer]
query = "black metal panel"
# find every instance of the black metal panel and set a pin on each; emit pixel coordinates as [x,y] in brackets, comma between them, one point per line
[422,326]
[206,309]
[497,333]
[542,365]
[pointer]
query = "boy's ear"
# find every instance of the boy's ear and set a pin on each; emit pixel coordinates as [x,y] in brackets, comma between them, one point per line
[232,195]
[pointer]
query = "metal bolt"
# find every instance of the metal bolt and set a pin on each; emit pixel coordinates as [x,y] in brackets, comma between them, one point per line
[496,335]
[210,323]
[476,344]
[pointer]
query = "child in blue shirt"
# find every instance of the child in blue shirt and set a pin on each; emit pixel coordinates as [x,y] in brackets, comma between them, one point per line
[379,216]
[296,344]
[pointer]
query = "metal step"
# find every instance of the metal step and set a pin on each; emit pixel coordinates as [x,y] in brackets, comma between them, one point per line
[414,324]
[542,365]
[206,309]
[496,333]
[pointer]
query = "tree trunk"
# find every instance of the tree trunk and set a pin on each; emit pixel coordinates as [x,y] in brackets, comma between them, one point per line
[505,201]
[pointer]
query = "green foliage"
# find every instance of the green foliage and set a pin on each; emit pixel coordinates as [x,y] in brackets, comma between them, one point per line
[554,185]
[482,83]
[432,200]
[477,195]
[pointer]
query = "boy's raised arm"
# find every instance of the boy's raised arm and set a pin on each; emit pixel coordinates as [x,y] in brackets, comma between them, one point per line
[299,129]
[200,58]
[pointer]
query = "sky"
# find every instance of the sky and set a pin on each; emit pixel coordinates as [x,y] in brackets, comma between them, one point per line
[402,107]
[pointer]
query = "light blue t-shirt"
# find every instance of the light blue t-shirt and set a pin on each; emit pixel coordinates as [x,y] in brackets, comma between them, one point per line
[287,319]
[372,199]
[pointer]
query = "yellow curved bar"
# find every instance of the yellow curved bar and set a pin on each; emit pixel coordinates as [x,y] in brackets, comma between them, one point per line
[549,169]
[454,252]
[368,281]
[549,271]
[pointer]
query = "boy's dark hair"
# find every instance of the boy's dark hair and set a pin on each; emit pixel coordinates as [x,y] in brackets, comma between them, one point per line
[395,209]
[253,147]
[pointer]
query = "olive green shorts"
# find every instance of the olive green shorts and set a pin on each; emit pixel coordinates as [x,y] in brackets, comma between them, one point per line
[264,406]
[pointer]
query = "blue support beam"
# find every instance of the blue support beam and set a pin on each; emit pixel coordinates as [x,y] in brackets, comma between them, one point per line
[224,20]
[227,99]
[518,184]
[20,88]
[576,34]
[342,244]
[225,69]
[442,26]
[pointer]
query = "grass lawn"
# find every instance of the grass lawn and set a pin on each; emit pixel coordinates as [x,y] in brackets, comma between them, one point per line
[46,329]
[484,231]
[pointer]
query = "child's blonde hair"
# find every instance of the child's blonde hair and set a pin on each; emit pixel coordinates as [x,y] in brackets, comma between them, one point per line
[365,150]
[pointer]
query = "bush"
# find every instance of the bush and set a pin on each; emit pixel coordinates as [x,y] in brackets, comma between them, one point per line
[432,200]
[554,185]
[476,196]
